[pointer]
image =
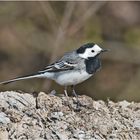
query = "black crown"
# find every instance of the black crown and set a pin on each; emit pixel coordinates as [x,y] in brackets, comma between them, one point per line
[84,47]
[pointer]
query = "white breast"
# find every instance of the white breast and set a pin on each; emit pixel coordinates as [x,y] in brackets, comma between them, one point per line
[72,78]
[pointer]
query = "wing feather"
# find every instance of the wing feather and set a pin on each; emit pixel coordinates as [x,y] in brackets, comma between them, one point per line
[68,62]
[58,66]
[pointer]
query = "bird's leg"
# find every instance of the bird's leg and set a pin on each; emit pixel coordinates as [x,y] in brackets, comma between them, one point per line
[65,91]
[74,93]
[67,99]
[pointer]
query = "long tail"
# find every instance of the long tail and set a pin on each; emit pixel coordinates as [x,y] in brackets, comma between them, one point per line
[22,78]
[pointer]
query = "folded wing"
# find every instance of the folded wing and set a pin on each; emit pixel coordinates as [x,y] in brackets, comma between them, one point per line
[59,66]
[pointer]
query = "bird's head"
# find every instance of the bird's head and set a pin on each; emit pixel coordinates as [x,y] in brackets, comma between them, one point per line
[89,50]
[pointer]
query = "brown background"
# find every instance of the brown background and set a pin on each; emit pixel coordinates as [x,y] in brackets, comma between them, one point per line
[34,34]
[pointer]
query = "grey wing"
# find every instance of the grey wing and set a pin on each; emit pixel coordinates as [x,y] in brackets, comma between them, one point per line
[67,62]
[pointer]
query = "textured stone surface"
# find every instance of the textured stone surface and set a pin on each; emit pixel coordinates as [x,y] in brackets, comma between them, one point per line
[24,116]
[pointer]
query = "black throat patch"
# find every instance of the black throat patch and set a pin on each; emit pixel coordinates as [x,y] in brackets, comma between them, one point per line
[92,64]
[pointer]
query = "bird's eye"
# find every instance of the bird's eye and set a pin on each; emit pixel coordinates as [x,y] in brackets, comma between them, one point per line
[92,51]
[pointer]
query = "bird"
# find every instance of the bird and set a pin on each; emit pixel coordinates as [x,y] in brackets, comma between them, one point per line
[72,68]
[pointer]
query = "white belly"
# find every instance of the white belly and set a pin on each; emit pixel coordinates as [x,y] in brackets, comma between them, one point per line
[72,78]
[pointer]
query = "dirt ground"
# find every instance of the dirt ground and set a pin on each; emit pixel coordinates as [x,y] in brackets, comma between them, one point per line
[50,117]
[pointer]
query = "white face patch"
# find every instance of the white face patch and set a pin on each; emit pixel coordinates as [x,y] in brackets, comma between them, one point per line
[91,52]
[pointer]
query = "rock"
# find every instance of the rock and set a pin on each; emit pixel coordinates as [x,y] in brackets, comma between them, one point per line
[4,119]
[137,124]
[56,115]
[3,135]
[124,104]
[24,116]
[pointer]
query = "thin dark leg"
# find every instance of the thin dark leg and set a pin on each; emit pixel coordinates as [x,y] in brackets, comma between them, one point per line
[74,93]
[67,98]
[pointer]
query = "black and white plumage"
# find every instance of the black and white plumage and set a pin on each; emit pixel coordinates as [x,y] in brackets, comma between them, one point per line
[73,68]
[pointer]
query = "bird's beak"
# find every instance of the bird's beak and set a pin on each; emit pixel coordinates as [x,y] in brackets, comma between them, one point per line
[105,50]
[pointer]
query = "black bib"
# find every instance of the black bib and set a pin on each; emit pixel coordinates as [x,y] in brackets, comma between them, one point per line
[92,64]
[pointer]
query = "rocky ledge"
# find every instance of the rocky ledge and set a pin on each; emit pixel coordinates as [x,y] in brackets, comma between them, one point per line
[50,117]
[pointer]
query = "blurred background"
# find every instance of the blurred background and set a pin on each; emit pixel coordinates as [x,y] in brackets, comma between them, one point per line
[34,34]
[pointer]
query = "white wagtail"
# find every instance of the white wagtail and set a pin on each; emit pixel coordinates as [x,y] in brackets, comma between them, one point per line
[73,68]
